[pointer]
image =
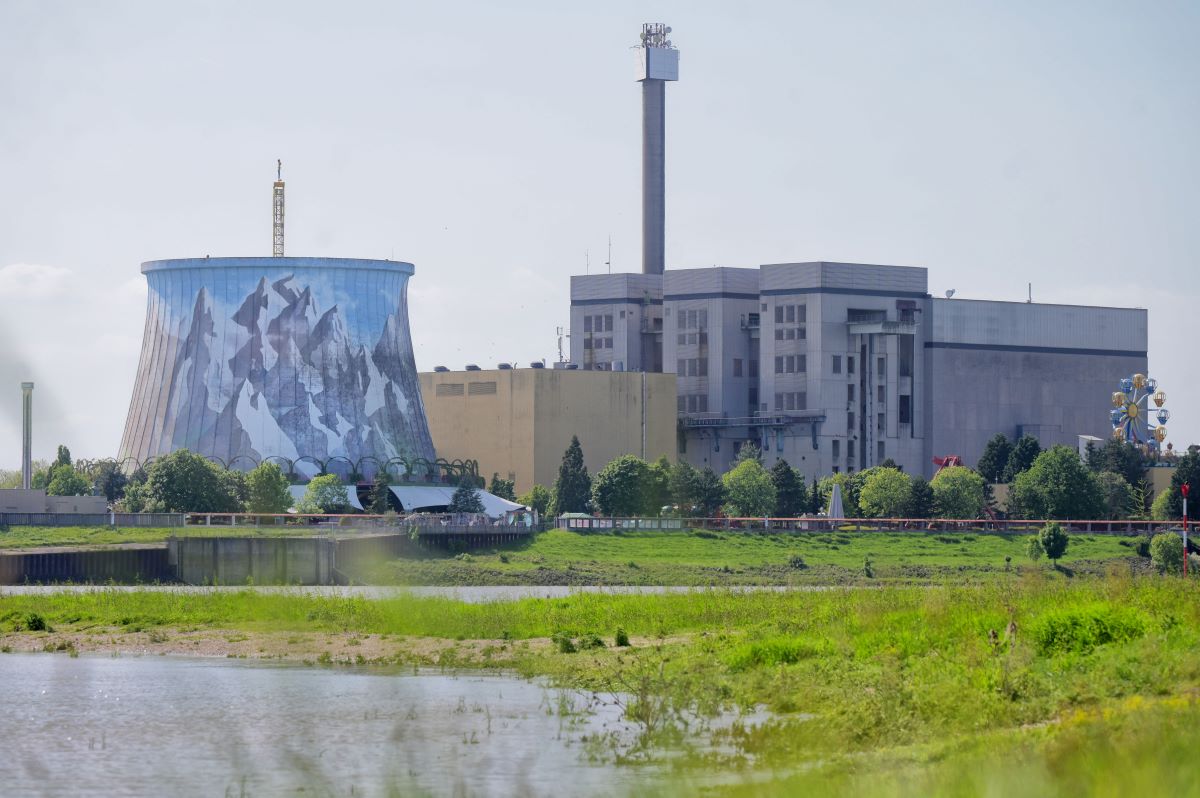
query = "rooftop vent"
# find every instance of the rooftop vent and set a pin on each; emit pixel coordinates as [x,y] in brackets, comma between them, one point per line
[537,364]
[504,366]
[473,367]
[440,369]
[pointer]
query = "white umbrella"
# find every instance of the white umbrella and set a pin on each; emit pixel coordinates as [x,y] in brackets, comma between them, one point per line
[835,503]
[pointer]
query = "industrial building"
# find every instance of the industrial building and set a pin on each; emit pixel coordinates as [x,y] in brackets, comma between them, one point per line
[518,422]
[839,366]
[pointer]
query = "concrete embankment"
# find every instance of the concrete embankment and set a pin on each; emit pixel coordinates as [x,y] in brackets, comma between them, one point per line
[128,564]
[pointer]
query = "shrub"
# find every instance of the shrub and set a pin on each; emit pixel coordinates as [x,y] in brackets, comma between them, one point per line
[590,640]
[32,622]
[621,639]
[1054,540]
[1081,630]
[868,568]
[797,562]
[563,642]
[1033,548]
[1166,552]
[1142,546]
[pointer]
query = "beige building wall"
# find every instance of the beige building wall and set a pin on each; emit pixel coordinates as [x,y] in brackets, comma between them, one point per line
[518,422]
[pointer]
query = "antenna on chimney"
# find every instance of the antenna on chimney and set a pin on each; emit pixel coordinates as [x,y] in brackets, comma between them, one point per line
[1030,299]
[608,262]
[277,212]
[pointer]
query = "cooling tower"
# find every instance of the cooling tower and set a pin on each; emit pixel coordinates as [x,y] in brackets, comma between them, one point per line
[305,359]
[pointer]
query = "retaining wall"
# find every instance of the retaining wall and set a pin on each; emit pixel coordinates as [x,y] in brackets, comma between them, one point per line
[128,565]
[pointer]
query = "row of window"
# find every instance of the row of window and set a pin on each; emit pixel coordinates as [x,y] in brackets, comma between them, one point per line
[691,319]
[793,400]
[693,403]
[791,314]
[601,322]
[692,367]
[683,339]
[791,333]
[880,452]
[752,368]
[597,343]
[791,364]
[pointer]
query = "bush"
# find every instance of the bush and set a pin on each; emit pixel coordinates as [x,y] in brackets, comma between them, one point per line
[563,642]
[868,568]
[1033,548]
[1142,546]
[797,562]
[621,640]
[1166,552]
[32,622]
[590,640]
[1054,540]
[1081,630]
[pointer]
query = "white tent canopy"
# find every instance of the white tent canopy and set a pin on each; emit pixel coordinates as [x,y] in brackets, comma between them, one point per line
[414,498]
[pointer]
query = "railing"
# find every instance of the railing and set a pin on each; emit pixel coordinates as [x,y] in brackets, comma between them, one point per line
[357,523]
[822,524]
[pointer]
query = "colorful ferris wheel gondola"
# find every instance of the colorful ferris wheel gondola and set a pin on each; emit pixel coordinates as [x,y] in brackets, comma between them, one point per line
[1138,416]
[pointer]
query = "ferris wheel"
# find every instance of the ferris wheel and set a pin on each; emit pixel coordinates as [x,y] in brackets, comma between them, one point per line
[1138,416]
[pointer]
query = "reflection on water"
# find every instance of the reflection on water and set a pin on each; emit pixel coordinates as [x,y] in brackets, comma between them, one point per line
[163,726]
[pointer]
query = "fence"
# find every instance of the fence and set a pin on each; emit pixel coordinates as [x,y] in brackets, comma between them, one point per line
[92,519]
[358,524]
[820,524]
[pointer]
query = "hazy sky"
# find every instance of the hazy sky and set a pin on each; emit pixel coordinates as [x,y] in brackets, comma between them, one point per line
[994,143]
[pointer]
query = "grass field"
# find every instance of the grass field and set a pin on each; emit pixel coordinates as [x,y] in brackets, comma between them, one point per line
[24,537]
[713,557]
[1027,684]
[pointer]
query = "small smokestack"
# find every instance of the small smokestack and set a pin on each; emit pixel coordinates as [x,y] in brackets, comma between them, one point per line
[658,62]
[27,435]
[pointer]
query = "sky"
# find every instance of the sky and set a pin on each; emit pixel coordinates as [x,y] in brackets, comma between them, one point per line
[498,147]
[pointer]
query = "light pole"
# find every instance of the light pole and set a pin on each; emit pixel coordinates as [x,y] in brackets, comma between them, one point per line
[1185,488]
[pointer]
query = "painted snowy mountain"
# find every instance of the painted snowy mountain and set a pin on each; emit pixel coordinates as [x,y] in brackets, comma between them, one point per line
[296,383]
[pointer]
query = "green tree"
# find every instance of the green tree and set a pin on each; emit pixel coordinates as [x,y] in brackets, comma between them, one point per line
[749,491]
[994,459]
[790,497]
[619,488]
[920,499]
[1033,548]
[850,490]
[538,498]
[108,479]
[381,492]
[1021,458]
[684,484]
[1188,470]
[887,493]
[957,493]
[325,494]
[814,497]
[710,493]
[1053,540]
[63,457]
[1120,457]
[573,488]
[466,497]
[1057,485]
[185,482]
[64,480]
[748,451]
[1160,509]
[656,493]
[1166,552]
[504,488]
[267,490]
[134,499]
[1116,494]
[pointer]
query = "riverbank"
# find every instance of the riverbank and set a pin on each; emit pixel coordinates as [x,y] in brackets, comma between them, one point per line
[867,687]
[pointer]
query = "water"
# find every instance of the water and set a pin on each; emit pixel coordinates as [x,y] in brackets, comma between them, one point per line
[181,727]
[469,594]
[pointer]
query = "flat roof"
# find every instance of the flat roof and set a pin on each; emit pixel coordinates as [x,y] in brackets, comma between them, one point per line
[278,263]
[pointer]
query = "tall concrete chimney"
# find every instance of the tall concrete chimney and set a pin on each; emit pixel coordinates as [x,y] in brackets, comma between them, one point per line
[27,435]
[658,62]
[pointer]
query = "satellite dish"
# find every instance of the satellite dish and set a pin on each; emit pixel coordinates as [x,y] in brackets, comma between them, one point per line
[950,293]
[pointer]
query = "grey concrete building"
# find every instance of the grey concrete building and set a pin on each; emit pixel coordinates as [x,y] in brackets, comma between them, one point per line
[839,366]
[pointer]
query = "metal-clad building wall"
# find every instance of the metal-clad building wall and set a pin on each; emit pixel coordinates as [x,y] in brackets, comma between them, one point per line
[249,358]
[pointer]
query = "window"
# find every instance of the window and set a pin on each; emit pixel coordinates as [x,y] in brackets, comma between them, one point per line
[779,314]
[681,340]
[691,338]
[764,306]
[587,323]
[837,451]
[850,392]
[778,401]
[801,364]
[879,452]
[849,364]
[753,369]
[882,367]
[789,364]
[778,333]
[682,403]
[881,394]
[802,313]
[703,337]
[681,367]
[737,367]
[789,401]
[837,365]
[850,423]
[691,367]
[622,314]
[802,400]
[702,318]
[691,403]
[702,403]
[608,322]
[789,334]
[703,367]
[691,319]
[778,365]
[881,423]
[801,333]
[790,314]
[753,397]
[835,468]
[904,414]
[587,343]
[608,343]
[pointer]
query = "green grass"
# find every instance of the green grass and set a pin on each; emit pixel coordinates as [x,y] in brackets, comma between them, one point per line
[1027,684]
[23,537]
[738,557]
